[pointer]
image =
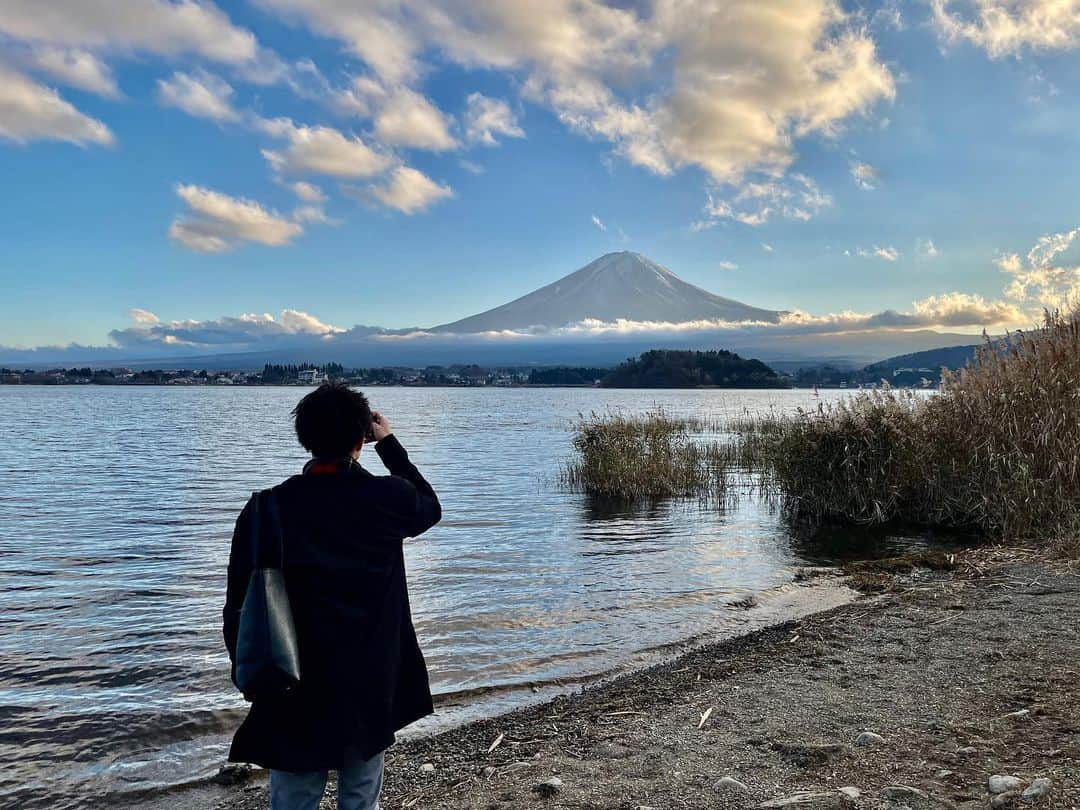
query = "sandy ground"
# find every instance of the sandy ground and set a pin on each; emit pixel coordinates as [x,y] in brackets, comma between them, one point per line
[964,674]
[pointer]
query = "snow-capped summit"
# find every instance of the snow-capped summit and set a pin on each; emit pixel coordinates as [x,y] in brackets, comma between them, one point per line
[622,285]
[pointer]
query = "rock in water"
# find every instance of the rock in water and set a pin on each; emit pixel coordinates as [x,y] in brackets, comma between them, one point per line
[549,787]
[999,783]
[1037,789]
[232,775]
[869,738]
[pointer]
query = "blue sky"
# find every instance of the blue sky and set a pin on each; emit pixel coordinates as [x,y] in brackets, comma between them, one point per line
[837,159]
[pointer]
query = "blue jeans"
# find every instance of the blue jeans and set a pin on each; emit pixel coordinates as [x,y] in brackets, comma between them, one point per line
[359,783]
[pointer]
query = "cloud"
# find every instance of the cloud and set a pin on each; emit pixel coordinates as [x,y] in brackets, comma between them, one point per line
[407,190]
[1007,27]
[888,253]
[1040,280]
[865,176]
[596,221]
[143,316]
[726,87]
[232,333]
[202,95]
[925,249]
[217,222]
[76,68]
[30,111]
[407,118]
[726,265]
[322,150]
[471,167]
[767,247]
[963,309]
[487,117]
[401,115]
[313,215]
[125,26]
[755,203]
[308,192]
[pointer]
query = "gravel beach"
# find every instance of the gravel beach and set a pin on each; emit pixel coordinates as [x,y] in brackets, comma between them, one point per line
[954,687]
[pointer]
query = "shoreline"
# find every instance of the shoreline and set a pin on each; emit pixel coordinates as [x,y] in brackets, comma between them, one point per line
[963,674]
[812,590]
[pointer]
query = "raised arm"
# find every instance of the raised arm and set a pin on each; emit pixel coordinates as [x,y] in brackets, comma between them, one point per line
[417,503]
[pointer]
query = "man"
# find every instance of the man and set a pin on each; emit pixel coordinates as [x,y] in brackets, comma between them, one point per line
[362,675]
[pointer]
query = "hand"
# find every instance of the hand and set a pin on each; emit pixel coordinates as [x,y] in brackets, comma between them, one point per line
[380,426]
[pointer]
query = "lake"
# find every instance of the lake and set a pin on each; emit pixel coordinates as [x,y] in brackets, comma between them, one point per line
[117,508]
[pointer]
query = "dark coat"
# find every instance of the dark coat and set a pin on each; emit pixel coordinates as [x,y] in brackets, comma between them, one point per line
[362,675]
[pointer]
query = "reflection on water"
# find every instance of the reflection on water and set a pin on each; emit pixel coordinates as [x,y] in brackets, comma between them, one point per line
[115,518]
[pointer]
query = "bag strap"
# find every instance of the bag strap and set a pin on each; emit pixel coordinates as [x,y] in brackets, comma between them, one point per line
[256,529]
[273,515]
[266,501]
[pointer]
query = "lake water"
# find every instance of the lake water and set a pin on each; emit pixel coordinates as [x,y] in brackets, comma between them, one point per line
[116,510]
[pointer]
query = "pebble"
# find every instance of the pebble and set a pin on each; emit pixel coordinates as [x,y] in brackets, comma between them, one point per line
[999,783]
[869,738]
[1023,714]
[967,751]
[1037,789]
[549,787]
[853,792]
[729,784]
[901,792]
[1002,800]
[488,772]
[944,773]
[427,767]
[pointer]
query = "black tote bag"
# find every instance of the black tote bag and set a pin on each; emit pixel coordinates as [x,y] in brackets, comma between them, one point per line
[267,653]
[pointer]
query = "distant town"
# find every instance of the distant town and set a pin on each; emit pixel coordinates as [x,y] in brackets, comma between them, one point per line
[653,369]
[304,374]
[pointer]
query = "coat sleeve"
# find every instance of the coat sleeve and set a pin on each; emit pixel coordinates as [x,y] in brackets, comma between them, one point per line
[413,499]
[240,562]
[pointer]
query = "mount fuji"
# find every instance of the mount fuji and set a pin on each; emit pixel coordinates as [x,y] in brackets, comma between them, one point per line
[617,286]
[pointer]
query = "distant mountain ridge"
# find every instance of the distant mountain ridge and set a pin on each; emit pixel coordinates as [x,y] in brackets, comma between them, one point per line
[616,286]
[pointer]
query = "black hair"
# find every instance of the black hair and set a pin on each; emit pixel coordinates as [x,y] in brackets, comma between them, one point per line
[332,419]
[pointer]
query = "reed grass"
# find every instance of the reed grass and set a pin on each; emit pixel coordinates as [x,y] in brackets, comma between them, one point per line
[997,450]
[644,456]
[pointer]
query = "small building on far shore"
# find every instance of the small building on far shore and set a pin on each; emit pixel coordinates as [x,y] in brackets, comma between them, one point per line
[311,376]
